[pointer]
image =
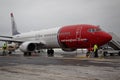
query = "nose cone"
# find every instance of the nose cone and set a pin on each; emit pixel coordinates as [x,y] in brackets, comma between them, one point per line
[103,38]
[106,37]
[109,37]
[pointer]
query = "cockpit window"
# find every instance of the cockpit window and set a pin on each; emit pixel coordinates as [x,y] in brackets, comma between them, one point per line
[98,29]
[94,30]
[91,30]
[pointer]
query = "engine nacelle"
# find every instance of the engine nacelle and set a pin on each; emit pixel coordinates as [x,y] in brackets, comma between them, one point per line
[27,47]
[68,49]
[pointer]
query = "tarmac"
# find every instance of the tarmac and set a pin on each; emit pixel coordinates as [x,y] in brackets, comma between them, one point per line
[18,67]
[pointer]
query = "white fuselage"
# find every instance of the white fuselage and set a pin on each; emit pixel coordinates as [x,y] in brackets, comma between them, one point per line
[47,36]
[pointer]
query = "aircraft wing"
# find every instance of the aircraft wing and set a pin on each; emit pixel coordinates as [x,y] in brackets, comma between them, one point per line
[10,40]
[39,44]
[6,36]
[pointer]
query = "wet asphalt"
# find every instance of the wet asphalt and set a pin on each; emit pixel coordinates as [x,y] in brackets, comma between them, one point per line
[7,64]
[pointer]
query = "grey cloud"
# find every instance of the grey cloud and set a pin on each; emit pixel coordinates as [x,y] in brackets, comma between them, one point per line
[40,14]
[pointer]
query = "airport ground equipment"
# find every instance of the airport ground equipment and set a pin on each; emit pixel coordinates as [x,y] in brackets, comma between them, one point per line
[114,44]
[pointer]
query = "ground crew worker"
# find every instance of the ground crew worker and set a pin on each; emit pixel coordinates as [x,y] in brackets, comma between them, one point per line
[95,50]
[4,47]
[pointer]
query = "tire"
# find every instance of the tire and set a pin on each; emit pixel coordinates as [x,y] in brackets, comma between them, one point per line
[9,52]
[105,54]
[111,54]
[119,54]
[25,53]
[29,54]
[50,53]
[38,51]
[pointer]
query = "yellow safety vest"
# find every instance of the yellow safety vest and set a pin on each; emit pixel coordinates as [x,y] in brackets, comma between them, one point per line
[95,47]
[4,46]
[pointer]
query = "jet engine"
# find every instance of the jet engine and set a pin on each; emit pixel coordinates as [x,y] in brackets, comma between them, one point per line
[27,46]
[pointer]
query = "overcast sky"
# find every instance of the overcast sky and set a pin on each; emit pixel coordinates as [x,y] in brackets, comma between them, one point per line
[41,14]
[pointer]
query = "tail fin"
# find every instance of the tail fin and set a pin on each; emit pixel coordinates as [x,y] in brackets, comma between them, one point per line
[14,28]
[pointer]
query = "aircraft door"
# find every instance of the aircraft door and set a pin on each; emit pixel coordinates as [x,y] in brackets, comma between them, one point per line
[78,36]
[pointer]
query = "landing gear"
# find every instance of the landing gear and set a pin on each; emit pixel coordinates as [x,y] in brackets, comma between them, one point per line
[105,54]
[119,53]
[111,54]
[27,53]
[9,52]
[50,52]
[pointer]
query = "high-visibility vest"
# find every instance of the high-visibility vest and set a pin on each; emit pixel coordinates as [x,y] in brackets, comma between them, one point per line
[95,47]
[4,46]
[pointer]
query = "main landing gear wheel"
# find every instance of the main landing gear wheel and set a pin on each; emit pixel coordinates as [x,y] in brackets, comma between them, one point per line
[27,53]
[105,54]
[119,53]
[9,52]
[50,53]
[111,54]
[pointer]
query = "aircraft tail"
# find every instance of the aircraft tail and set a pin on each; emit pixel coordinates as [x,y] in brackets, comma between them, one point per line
[14,28]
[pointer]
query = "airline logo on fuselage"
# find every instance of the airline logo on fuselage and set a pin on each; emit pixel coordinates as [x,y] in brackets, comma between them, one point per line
[74,40]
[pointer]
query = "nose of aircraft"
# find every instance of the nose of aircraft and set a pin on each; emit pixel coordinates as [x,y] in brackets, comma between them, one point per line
[106,37]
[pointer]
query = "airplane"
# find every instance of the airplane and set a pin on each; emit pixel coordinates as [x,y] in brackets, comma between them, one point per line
[68,38]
